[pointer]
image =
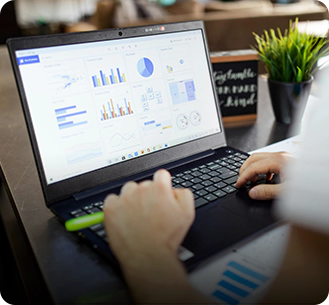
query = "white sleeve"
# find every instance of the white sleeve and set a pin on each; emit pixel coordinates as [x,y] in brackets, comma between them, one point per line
[305,200]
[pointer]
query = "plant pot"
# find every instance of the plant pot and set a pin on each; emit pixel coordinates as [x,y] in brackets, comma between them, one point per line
[289,99]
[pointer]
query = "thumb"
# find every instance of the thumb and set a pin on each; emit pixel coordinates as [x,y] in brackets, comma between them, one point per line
[265,191]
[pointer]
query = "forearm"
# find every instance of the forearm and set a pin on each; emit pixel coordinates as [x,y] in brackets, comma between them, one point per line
[304,275]
[160,279]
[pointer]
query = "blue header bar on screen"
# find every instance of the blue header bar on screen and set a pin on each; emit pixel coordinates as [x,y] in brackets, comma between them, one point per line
[26,60]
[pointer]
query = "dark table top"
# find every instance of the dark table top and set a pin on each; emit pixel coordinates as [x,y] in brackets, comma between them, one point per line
[53,265]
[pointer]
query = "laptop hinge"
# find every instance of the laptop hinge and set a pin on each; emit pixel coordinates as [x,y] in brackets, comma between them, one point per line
[140,176]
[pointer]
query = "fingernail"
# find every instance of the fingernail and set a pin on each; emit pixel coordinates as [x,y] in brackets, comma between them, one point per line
[253,193]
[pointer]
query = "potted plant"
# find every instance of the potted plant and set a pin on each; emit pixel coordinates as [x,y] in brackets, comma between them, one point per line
[290,60]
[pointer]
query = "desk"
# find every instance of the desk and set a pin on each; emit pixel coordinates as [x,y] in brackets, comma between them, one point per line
[54,267]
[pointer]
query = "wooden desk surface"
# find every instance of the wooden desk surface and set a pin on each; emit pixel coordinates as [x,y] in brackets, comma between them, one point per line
[53,265]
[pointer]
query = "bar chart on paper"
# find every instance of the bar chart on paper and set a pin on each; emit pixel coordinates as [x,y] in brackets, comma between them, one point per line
[111,109]
[237,282]
[243,274]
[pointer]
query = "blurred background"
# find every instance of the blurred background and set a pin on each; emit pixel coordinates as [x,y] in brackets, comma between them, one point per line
[229,23]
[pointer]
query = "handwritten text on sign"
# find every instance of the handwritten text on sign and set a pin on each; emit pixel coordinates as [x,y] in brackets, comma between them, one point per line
[236,86]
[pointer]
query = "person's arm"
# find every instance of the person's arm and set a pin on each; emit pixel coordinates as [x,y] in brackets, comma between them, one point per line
[145,225]
[303,277]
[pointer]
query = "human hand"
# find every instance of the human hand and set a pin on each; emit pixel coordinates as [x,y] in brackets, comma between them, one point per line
[263,163]
[148,218]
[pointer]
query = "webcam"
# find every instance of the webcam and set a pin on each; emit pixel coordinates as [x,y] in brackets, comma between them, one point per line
[120,33]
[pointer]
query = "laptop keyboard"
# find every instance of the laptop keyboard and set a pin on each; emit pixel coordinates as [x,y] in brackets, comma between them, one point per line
[212,180]
[208,182]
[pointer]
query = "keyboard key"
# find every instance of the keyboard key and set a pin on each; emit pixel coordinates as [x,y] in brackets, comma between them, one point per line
[196,180]
[216,179]
[211,197]
[215,166]
[211,189]
[228,175]
[199,202]
[93,210]
[232,180]
[223,170]
[205,177]
[101,233]
[196,173]
[229,189]
[98,204]
[81,214]
[97,227]
[178,180]
[213,174]
[187,177]
[78,211]
[201,193]
[220,184]
[207,182]
[198,187]
[219,194]
[186,183]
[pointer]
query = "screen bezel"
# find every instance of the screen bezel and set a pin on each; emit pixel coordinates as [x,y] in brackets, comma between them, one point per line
[63,189]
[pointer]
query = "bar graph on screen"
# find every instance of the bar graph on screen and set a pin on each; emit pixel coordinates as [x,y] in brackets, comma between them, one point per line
[111,110]
[70,116]
[115,76]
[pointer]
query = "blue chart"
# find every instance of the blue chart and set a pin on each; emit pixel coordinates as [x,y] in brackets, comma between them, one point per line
[115,77]
[83,152]
[237,283]
[68,117]
[66,78]
[182,91]
[145,67]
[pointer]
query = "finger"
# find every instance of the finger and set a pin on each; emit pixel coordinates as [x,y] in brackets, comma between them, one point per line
[111,198]
[262,166]
[265,191]
[110,202]
[252,158]
[145,183]
[185,199]
[164,177]
[128,188]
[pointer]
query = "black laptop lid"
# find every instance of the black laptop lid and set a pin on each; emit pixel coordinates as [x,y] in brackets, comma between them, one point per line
[105,105]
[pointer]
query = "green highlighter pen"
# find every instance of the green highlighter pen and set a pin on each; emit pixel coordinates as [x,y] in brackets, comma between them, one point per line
[84,222]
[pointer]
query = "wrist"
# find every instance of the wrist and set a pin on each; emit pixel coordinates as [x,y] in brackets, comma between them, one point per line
[155,276]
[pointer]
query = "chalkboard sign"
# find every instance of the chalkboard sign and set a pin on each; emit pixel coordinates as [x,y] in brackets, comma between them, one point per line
[236,79]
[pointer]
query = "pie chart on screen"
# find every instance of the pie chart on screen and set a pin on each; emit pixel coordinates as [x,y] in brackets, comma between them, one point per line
[145,67]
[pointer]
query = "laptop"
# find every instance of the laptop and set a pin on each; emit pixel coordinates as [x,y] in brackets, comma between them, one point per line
[106,107]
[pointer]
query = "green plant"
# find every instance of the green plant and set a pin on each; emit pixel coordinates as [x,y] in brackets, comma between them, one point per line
[291,57]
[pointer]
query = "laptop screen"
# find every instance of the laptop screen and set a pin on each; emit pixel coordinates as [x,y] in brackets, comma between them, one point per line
[96,104]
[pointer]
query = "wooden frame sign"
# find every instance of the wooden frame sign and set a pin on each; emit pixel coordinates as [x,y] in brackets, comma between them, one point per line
[236,79]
